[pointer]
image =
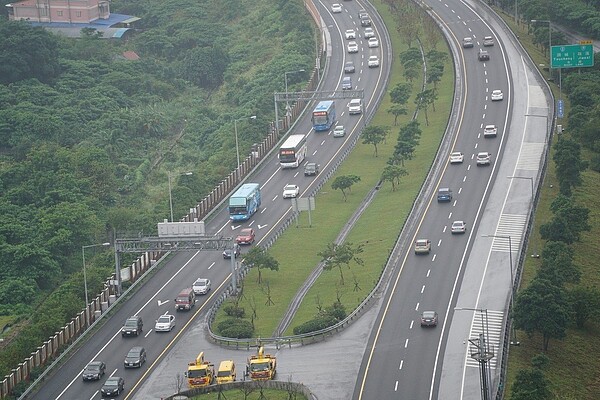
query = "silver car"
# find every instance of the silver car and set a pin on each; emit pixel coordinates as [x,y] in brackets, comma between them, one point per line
[165,323]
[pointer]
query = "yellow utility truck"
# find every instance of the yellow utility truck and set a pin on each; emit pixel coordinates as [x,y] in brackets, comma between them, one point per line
[226,372]
[200,373]
[262,367]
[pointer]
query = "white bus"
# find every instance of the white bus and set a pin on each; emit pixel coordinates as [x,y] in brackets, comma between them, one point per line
[292,151]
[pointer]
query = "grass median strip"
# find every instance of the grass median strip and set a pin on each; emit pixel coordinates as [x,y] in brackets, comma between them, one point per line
[377,229]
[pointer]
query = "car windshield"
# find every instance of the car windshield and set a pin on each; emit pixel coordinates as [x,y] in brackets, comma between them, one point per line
[245,232]
[164,320]
[112,382]
[428,315]
[223,373]
[93,367]
[134,353]
[260,366]
[131,323]
[201,282]
[197,373]
[290,187]
[421,242]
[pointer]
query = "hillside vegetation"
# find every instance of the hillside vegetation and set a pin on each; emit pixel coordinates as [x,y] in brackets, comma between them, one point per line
[87,138]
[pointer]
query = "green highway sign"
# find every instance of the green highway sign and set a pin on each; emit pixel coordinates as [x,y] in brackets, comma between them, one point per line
[572,56]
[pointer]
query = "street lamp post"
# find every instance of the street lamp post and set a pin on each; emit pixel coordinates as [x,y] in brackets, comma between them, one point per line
[170,194]
[85,289]
[535,21]
[482,352]
[514,340]
[237,146]
[287,103]
[530,179]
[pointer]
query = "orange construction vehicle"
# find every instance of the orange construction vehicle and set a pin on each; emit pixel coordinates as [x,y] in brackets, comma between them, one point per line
[200,373]
[262,367]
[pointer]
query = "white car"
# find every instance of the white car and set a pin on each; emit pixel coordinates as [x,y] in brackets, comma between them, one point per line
[165,323]
[483,158]
[369,33]
[201,286]
[290,191]
[488,41]
[339,131]
[490,131]
[373,62]
[352,47]
[355,106]
[373,42]
[458,227]
[336,8]
[497,95]
[456,157]
[350,34]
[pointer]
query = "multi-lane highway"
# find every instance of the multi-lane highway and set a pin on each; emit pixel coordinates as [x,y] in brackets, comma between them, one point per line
[155,296]
[402,359]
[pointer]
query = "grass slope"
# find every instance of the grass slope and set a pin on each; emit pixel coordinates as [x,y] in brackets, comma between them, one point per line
[574,368]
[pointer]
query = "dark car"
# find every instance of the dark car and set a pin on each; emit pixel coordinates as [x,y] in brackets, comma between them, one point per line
[429,318]
[227,252]
[135,358]
[93,371]
[444,194]
[133,326]
[113,386]
[349,68]
[483,55]
[311,168]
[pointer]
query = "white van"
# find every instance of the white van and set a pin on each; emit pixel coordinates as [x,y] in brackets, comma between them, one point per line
[355,106]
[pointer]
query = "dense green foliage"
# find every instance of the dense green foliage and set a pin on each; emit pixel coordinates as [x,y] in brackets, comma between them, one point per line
[87,137]
[325,318]
[580,15]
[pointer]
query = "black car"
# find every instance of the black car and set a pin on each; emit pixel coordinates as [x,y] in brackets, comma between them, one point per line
[349,68]
[135,358]
[113,386]
[93,371]
[133,326]
[311,169]
[444,194]
[227,252]
[429,318]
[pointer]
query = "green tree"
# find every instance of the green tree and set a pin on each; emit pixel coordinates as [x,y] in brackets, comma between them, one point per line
[425,99]
[260,259]
[401,93]
[584,302]
[344,183]
[568,222]
[337,256]
[542,308]
[27,52]
[530,384]
[557,264]
[374,135]
[397,110]
[392,174]
[569,165]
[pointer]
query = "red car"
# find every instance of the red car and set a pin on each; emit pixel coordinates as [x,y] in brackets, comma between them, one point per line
[246,236]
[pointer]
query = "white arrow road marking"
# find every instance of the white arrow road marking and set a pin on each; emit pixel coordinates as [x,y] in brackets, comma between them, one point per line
[261,226]
[160,302]
[233,227]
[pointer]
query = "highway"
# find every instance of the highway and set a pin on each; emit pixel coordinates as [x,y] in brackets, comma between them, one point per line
[155,296]
[465,271]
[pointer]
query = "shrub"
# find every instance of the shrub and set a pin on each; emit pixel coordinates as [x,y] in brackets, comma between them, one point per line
[236,328]
[234,311]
